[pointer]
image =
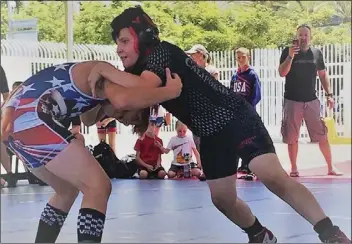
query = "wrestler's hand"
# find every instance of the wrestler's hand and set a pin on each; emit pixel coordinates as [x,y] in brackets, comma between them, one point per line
[94,79]
[7,117]
[173,83]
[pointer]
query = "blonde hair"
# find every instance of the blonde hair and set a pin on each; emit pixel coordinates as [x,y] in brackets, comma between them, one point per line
[243,50]
[179,123]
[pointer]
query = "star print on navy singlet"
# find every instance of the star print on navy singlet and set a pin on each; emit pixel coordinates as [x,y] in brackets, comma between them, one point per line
[205,105]
[52,92]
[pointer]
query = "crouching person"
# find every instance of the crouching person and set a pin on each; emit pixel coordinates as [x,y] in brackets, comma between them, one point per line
[148,154]
[183,147]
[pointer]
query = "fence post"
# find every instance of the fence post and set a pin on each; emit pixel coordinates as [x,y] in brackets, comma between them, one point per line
[347,100]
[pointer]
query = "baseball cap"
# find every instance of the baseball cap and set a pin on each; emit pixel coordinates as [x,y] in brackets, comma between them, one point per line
[198,48]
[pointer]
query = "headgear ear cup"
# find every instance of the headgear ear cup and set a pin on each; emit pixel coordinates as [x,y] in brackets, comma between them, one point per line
[146,30]
[148,37]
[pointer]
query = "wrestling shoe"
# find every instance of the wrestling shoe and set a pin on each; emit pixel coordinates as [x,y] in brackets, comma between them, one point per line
[334,236]
[265,236]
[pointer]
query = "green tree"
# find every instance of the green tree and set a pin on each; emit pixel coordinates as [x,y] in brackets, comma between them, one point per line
[164,17]
[92,24]
[4,21]
[51,19]
[217,25]
[204,23]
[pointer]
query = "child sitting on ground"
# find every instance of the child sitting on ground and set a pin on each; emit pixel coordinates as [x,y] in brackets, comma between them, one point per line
[183,146]
[148,154]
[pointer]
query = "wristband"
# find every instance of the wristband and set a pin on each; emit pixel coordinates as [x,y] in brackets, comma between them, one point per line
[328,94]
[289,57]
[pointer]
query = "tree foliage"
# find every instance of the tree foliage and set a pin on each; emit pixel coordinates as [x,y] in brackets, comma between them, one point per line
[217,25]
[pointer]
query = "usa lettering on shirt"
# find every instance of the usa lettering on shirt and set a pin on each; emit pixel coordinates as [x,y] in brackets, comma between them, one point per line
[242,83]
[240,86]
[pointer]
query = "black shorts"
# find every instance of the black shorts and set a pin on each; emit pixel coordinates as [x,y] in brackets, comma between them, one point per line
[111,127]
[177,168]
[152,174]
[245,137]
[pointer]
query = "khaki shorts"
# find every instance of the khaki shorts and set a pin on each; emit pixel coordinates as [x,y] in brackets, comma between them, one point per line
[293,114]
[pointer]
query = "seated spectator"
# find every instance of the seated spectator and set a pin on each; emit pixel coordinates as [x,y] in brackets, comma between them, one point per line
[148,154]
[107,127]
[183,148]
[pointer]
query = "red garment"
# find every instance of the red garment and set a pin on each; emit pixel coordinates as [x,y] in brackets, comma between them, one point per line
[149,152]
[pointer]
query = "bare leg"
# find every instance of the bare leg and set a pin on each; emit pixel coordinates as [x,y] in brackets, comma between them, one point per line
[80,169]
[56,211]
[224,196]
[269,170]
[102,136]
[6,162]
[326,151]
[292,153]
[143,174]
[5,159]
[112,140]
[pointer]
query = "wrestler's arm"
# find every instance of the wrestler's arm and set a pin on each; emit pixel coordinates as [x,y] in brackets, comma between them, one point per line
[92,116]
[153,75]
[123,98]
[109,72]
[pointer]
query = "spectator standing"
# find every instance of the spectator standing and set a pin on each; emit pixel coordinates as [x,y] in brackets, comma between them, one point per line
[245,82]
[299,64]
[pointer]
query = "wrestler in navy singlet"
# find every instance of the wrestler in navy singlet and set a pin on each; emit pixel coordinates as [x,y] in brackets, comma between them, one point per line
[227,124]
[40,102]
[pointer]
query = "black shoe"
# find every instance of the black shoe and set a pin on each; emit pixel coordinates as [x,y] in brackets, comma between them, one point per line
[249,177]
[202,177]
[334,236]
[265,236]
[242,170]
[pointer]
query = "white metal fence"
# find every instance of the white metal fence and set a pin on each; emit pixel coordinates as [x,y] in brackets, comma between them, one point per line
[22,59]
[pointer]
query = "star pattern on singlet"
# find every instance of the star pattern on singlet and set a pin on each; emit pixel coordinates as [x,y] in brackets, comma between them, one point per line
[54,92]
